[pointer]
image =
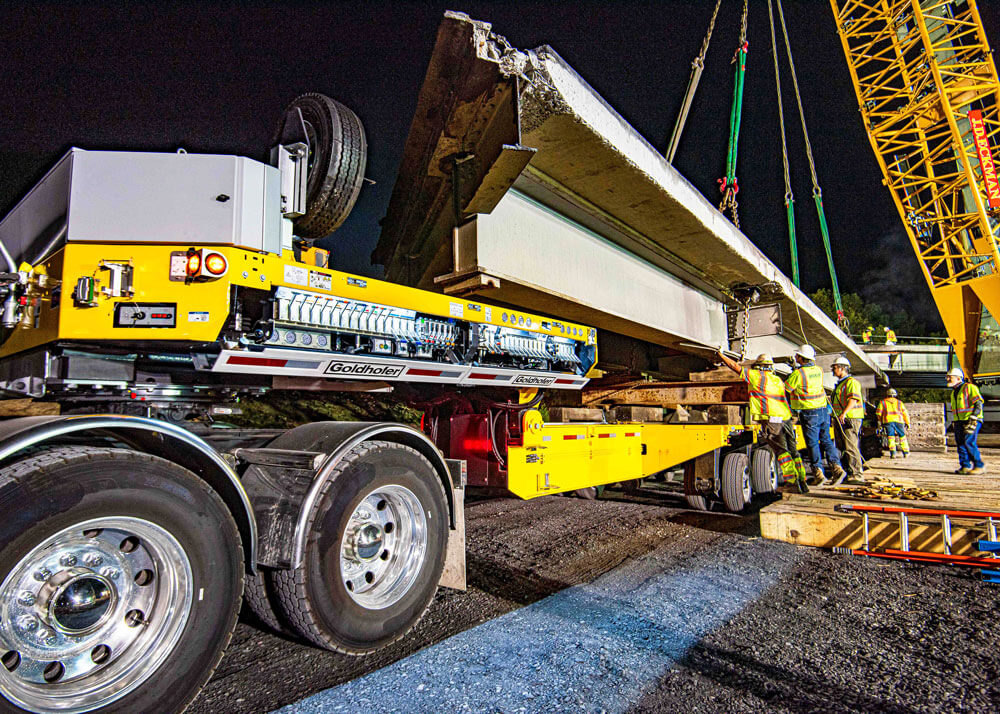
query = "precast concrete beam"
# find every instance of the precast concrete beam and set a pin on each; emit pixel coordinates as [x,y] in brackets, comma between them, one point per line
[563,207]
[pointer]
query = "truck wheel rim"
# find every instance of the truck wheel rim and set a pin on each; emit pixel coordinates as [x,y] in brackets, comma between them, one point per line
[384,547]
[90,613]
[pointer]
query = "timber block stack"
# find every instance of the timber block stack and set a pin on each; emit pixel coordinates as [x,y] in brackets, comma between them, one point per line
[927,430]
[636,414]
[564,415]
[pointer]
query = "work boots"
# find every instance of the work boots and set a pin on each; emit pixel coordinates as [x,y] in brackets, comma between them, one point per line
[838,475]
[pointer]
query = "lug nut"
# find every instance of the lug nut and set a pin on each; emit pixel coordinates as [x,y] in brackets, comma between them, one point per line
[110,573]
[26,598]
[48,637]
[27,623]
[67,560]
[43,575]
[92,559]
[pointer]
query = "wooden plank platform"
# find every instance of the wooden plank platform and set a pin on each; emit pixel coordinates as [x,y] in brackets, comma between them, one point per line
[810,519]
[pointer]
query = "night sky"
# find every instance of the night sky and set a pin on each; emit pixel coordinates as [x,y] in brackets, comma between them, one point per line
[214,77]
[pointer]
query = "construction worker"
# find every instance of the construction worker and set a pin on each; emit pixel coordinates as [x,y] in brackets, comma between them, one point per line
[890,336]
[967,414]
[849,410]
[807,396]
[894,418]
[866,335]
[769,408]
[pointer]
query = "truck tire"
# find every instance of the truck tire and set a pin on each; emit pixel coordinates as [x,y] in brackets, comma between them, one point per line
[257,596]
[120,579]
[696,500]
[337,157]
[736,491]
[764,471]
[375,548]
[698,503]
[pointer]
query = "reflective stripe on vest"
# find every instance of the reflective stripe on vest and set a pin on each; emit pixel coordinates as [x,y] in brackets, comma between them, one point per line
[964,400]
[848,387]
[767,395]
[890,411]
[811,394]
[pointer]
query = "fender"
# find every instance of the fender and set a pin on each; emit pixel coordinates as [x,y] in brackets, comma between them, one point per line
[158,438]
[336,439]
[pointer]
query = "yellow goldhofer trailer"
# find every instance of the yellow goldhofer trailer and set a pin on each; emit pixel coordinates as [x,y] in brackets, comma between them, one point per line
[144,293]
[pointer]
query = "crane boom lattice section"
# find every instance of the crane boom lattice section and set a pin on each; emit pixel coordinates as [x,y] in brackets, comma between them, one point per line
[928,93]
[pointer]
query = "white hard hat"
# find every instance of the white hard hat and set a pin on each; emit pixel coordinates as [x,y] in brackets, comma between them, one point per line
[842,361]
[956,372]
[893,393]
[885,329]
[764,360]
[806,352]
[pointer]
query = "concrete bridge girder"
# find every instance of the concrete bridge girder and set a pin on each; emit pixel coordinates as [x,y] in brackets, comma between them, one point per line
[598,226]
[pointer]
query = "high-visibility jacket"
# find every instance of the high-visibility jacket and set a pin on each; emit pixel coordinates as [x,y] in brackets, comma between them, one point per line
[767,395]
[890,336]
[846,388]
[866,337]
[966,402]
[805,388]
[891,410]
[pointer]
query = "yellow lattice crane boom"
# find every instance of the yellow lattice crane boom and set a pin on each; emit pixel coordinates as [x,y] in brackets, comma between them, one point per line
[928,92]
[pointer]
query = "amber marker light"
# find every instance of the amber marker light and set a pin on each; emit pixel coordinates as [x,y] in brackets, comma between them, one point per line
[215,264]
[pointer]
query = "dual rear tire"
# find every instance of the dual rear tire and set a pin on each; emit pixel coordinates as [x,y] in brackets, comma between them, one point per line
[375,548]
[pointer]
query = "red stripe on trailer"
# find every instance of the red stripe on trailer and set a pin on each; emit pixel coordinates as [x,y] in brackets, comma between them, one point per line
[565,381]
[424,372]
[483,375]
[256,361]
[632,433]
[605,436]
[568,437]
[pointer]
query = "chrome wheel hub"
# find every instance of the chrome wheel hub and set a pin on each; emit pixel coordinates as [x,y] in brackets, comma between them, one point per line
[90,613]
[384,547]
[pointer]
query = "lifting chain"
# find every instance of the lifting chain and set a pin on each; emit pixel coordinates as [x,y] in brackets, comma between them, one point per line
[746,328]
[729,184]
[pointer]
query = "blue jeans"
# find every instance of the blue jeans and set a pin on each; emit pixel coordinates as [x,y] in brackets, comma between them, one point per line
[968,449]
[815,425]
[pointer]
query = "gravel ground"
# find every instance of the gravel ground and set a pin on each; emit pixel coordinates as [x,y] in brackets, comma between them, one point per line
[802,630]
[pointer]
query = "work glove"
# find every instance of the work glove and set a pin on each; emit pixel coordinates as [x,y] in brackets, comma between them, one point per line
[970,426]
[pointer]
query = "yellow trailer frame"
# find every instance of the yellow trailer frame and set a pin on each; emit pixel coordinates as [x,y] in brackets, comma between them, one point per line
[555,458]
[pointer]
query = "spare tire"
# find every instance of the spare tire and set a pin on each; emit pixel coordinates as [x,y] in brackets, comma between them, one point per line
[337,156]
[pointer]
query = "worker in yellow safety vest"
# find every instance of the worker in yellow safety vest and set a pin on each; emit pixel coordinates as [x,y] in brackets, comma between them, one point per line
[893,417]
[808,397]
[866,335]
[967,415]
[849,410]
[890,336]
[769,408]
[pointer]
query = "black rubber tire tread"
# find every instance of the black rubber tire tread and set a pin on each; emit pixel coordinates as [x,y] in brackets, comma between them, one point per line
[63,456]
[696,500]
[257,594]
[291,599]
[698,503]
[338,164]
[632,486]
[587,494]
[734,470]
[762,471]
